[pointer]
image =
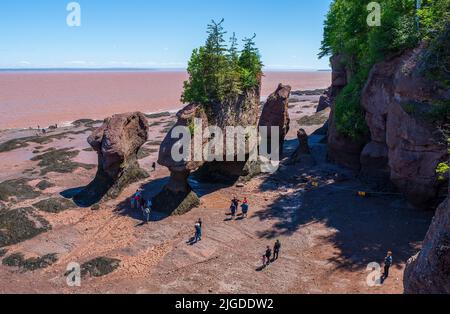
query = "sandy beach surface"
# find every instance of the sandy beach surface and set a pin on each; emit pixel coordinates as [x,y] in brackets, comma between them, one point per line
[31,99]
[328,233]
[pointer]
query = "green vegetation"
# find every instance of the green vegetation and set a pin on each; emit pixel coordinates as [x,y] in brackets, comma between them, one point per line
[20,224]
[54,205]
[18,189]
[218,72]
[99,267]
[347,32]
[31,264]
[60,161]
[44,185]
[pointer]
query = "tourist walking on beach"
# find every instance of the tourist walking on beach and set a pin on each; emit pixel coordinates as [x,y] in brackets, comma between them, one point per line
[245,207]
[154,166]
[387,265]
[138,199]
[198,231]
[234,207]
[276,250]
[147,211]
[268,255]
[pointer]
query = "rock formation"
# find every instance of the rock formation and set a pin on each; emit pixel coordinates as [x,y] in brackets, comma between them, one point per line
[340,75]
[324,101]
[276,113]
[429,271]
[403,147]
[342,149]
[240,112]
[177,196]
[117,143]
[303,154]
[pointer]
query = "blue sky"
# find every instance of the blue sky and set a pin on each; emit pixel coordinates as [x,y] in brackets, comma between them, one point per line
[155,33]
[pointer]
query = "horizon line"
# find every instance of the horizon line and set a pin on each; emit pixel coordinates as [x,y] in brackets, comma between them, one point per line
[87,69]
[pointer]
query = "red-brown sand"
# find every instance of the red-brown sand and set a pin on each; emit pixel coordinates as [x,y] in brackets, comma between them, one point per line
[29,99]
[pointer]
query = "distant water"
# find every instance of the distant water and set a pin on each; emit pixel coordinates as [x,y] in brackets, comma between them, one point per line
[45,97]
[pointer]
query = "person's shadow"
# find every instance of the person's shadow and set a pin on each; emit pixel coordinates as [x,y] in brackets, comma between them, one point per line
[192,241]
[261,268]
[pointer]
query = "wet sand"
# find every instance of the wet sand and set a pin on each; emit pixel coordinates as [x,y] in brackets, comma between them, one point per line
[29,99]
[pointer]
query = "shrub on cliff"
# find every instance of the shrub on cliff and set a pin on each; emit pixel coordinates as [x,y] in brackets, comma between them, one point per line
[218,72]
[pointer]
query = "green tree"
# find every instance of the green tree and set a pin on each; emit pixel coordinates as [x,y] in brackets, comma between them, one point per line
[217,72]
[250,63]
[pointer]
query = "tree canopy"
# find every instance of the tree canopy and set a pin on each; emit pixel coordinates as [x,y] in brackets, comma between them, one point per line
[219,71]
[347,32]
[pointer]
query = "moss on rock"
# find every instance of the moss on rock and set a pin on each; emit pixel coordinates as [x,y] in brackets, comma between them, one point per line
[60,161]
[171,203]
[100,266]
[54,205]
[44,185]
[31,264]
[20,224]
[18,188]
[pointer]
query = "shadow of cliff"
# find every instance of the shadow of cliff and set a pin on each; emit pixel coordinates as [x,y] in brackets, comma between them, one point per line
[153,188]
[364,228]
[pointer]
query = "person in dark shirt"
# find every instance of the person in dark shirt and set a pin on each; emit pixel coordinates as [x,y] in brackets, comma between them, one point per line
[268,255]
[276,250]
[387,265]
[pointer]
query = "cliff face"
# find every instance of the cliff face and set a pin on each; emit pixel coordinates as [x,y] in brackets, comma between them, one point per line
[429,271]
[403,146]
[342,149]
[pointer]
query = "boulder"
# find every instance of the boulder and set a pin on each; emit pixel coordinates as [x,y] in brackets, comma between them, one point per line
[276,113]
[429,271]
[117,143]
[303,153]
[324,101]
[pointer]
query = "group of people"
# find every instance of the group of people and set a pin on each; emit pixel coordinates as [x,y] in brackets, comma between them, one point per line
[235,205]
[139,202]
[271,256]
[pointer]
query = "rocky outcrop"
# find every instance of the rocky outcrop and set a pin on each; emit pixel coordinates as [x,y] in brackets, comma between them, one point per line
[117,143]
[276,113]
[302,155]
[177,196]
[324,101]
[403,148]
[429,271]
[243,111]
[340,75]
[342,150]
